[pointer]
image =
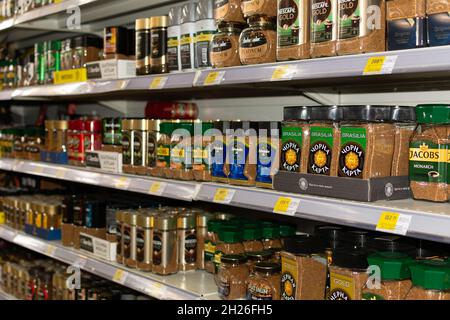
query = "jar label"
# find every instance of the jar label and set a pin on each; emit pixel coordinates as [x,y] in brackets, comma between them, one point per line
[142,45]
[218,155]
[157,248]
[158,45]
[238,159]
[217,259]
[352,152]
[202,48]
[126,148]
[210,250]
[151,150]
[126,242]
[221,9]
[163,155]
[349,18]
[140,244]
[322,21]
[291,140]
[180,157]
[428,162]
[406,33]
[290,24]
[190,248]
[266,156]
[186,43]
[253,44]
[438,29]
[341,287]
[259,291]
[320,151]
[173,41]
[138,148]
[202,158]
[289,278]
[371,296]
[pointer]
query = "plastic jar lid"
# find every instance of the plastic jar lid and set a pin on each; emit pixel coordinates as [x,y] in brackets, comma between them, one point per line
[403,114]
[367,113]
[393,265]
[300,113]
[431,274]
[433,113]
[327,113]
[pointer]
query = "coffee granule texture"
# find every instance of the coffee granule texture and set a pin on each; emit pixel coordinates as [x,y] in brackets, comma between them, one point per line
[361,33]
[323,28]
[264,282]
[228,11]
[389,290]
[259,7]
[225,46]
[253,246]
[404,123]
[438,6]
[403,9]
[232,276]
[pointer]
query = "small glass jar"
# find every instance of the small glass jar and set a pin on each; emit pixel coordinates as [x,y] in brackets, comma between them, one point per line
[230,242]
[49,127]
[224,51]
[252,239]
[264,282]
[232,276]
[127,145]
[92,135]
[144,241]
[211,240]
[158,44]
[60,128]
[431,280]
[165,249]
[258,43]
[112,134]
[143,42]
[120,222]
[152,142]
[75,142]
[51,217]
[66,54]
[187,242]
[404,119]
[53,60]
[129,240]
[228,10]
[202,155]
[181,151]
[271,236]
[163,150]
[257,257]
[139,146]
[202,219]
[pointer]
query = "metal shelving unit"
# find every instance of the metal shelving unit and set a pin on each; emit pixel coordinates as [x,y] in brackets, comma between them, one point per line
[428,220]
[6,296]
[180,286]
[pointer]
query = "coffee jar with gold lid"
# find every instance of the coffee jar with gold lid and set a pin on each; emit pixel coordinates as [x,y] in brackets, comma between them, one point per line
[224,50]
[144,240]
[129,239]
[143,42]
[165,249]
[187,241]
[152,140]
[59,143]
[127,145]
[258,43]
[158,44]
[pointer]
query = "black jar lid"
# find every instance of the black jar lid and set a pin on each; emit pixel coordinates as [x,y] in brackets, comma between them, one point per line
[357,238]
[369,113]
[403,114]
[331,236]
[234,258]
[306,246]
[327,113]
[290,243]
[300,113]
[351,258]
[231,25]
[392,243]
[87,41]
[269,267]
[260,255]
[223,126]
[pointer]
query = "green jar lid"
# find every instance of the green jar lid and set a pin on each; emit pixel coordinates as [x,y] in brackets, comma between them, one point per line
[287,230]
[214,225]
[230,235]
[393,265]
[54,45]
[433,113]
[189,126]
[431,274]
[271,232]
[252,233]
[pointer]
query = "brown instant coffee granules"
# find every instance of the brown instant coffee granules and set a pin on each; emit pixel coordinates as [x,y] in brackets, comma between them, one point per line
[428,153]
[225,45]
[232,276]
[404,122]
[264,282]
[361,26]
[293,29]
[437,6]
[323,28]
[228,10]
[259,7]
[257,44]
[431,280]
[401,9]
[252,239]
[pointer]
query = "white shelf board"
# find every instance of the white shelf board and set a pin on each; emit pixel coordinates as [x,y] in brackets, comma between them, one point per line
[180,286]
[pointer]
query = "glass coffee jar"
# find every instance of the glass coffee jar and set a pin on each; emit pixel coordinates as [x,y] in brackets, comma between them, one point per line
[264,282]
[224,51]
[258,43]
[232,276]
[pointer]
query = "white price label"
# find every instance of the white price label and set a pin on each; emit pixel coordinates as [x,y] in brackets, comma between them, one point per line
[380,65]
[286,205]
[50,250]
[157,188]
[223,195]
[120,276]
[393,222]
[60,173]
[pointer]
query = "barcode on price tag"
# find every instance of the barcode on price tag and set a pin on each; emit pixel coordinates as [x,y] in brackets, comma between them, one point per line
[393,222]
[157,188]
[380,65]
[120,276]
[223,195]
[286,205]
[284,72]
[158,83]
[214,78]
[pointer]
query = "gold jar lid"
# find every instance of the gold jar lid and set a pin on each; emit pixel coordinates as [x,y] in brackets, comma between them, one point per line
[165,222]
[49,124]
[61,124]
[223,216]
[142,24]
[159,22]
[203,218]
[146,220]
[127,124]
[120,215]
[130,218]
[153,125]
[51,209]
[186,221]
[140,124]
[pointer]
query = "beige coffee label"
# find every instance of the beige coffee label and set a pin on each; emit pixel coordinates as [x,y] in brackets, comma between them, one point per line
[341,287]
[289,278]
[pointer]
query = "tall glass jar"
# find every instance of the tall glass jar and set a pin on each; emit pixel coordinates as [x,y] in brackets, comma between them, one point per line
[264,282]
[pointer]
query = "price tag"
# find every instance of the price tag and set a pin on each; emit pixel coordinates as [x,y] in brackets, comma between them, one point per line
[122,84]
[286,205]
[157,188]
[158,83]
[120,276]
[60,173]
[38,169]
[214,78]
[393,222]
[284,72]
[380,65]
[68,76]
[122,183]
[223,195]
[50,250]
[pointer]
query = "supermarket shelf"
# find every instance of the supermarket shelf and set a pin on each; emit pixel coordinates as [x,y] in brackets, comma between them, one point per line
[430,221]
[180,286]
[151,186]
[6,296]
[282,78]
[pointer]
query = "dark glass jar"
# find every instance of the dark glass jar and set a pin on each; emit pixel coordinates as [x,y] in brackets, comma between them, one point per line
[143,43]
[158,44]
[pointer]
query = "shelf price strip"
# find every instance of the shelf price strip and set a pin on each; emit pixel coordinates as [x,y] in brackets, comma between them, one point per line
[380,65]
[393,222]
[286,205]
[157,188]
[122,183]
[120,276]
[214,78]
[158,83]
[223,195]
[284,72]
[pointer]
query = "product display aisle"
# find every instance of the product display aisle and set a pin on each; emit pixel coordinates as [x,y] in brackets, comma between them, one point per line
[234,150]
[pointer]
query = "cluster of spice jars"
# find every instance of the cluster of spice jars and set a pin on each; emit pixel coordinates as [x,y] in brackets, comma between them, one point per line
[163,241]
[33,214]
[82,136]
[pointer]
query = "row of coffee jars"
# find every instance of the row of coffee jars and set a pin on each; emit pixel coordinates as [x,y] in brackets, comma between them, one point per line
[163,240]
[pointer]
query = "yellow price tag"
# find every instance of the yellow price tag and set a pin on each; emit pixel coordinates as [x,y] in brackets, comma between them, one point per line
[213,78]
[68,76]
[38,169]
[388,221]
[50,250]
[223,195]
[282,204]
[120,276]
[60,173]
[122,183]
[284,72]
[374,64]
[158,83]
[2,217]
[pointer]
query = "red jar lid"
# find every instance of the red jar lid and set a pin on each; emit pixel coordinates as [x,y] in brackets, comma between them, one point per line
[76,125]
[93,125]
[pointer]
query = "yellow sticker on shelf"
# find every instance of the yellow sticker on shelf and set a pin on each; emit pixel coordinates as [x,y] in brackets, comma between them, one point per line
[50,250]
[38,169]
[120,276]
[122,183]
[283,72]
[157,188]
[213,78]
[68,76]
[158,83]
[380,65]
[2,217]
[60,173]
[286,205]
[394,222]
[223,195]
